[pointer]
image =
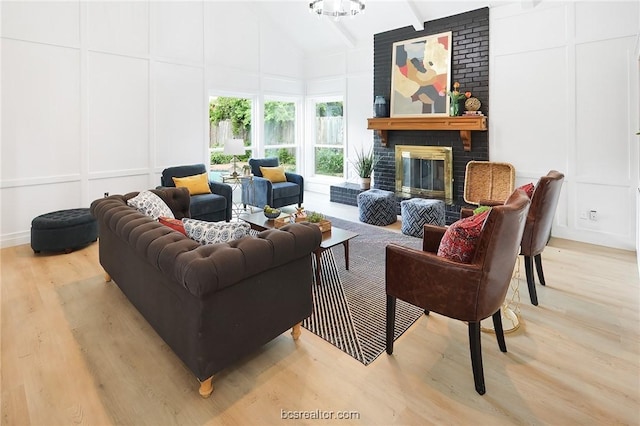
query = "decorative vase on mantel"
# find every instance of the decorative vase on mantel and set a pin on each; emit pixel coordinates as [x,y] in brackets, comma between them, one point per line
[365,183]
[380,107]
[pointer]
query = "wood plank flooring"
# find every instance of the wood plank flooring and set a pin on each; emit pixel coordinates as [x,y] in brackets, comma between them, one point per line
[74,351]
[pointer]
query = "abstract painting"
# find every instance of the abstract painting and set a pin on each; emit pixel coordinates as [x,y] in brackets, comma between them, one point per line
[420,76]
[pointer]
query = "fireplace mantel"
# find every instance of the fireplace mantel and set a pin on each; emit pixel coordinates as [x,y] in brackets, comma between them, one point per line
[464,124]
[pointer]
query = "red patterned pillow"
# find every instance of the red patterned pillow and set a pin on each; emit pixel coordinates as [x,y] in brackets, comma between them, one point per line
[175,224]
[528,189]
[459,240]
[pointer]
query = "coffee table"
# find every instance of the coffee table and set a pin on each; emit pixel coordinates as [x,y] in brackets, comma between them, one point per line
[259,222]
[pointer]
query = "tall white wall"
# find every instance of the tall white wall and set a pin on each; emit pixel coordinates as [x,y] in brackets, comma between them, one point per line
[348,73]
[564,96]
[101,96]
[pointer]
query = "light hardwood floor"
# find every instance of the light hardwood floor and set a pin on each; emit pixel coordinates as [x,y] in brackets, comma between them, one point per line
[74,351]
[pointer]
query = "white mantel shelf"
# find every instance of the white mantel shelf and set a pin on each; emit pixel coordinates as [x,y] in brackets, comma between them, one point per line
[465,125]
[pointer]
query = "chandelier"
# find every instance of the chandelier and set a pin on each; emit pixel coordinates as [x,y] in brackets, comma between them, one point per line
[336,8]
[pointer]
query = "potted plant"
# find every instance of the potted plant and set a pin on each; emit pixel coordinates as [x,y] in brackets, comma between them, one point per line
[363,165]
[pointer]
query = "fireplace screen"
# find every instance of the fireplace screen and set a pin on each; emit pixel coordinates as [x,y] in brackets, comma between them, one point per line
[424,171]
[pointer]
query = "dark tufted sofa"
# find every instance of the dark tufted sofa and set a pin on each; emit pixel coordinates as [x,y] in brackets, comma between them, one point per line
[211,304]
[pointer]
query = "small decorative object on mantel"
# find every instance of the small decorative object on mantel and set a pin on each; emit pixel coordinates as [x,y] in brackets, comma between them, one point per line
[456,98]
[380,107]
[472,104]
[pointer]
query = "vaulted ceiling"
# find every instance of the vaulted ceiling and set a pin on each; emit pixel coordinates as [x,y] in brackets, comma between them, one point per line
[312,33]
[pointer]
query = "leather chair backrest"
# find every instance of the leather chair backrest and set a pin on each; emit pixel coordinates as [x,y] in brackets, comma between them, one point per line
[543,209]
[497,251]
[255,164]
[180,172]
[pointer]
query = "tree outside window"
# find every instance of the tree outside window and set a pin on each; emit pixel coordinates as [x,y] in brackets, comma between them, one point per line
[280,132]
[229,118]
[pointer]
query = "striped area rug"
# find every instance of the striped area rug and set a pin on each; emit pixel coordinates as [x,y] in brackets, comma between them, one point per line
[350,306]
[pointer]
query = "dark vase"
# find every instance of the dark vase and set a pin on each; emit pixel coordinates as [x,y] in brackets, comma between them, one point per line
[380,107]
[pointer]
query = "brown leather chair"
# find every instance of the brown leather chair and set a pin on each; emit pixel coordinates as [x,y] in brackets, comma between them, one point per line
[467,292]
[537,228]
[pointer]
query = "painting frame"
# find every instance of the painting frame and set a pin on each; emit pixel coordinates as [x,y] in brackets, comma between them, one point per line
[420,76]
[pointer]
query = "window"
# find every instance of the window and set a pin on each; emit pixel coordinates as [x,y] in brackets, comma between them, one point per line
[328,138]
[229,118]
[280,132]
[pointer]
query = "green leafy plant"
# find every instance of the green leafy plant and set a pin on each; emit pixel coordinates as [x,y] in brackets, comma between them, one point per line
[314,217]
[329,161]
[364,163]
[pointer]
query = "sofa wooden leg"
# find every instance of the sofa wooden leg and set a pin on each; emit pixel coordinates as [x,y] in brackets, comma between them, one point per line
[107,277]
[206,387]
[295,331]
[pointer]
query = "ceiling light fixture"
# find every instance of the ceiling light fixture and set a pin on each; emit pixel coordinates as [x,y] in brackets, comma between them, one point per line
[336,8]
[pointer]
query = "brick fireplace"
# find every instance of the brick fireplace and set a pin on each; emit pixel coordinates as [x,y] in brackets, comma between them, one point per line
[470,67]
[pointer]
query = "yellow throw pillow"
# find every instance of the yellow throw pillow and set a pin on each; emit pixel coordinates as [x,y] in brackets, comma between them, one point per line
[196,184]
[274,174]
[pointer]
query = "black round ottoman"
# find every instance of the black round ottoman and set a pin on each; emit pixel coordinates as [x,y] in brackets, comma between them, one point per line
[64,230]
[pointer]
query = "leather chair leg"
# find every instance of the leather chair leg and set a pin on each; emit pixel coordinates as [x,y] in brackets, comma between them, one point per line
[391,322]
[476,356]
[426,312]
[497,327]
[531,283]
[538,260]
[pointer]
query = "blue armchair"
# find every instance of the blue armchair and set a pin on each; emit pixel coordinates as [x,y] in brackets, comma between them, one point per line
[266,192]
[213,207]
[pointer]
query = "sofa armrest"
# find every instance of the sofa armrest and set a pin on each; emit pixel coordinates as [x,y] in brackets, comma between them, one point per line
[295,178]
[298,180]
[263,191]
[226,191]
[490,203]
[432,237]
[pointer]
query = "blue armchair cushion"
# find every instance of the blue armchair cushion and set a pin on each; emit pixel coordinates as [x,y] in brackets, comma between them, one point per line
[285,190]
[204,204]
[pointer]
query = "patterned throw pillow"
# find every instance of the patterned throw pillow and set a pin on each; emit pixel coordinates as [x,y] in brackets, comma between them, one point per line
[459,240]
[528,189]
[214,232]
[175,224]
[151,205]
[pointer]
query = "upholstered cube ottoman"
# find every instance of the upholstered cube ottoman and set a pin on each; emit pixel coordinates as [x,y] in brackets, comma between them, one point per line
[377,207]
[416,212]
[63,230]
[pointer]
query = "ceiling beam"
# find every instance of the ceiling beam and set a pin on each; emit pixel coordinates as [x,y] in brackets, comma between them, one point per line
[344,34]
[416,19]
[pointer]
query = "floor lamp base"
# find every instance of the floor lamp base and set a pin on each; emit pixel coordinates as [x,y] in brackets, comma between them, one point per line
[510,321]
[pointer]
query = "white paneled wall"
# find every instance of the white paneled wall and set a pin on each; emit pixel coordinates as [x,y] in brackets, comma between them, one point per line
[101,96]
[118,112]
[179,113]
[564,85]
[40,112]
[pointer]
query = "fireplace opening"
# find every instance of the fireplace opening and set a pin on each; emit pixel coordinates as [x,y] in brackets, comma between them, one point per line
[425,171]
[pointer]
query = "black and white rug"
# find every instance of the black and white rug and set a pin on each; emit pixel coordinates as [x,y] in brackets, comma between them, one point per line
[350,306]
